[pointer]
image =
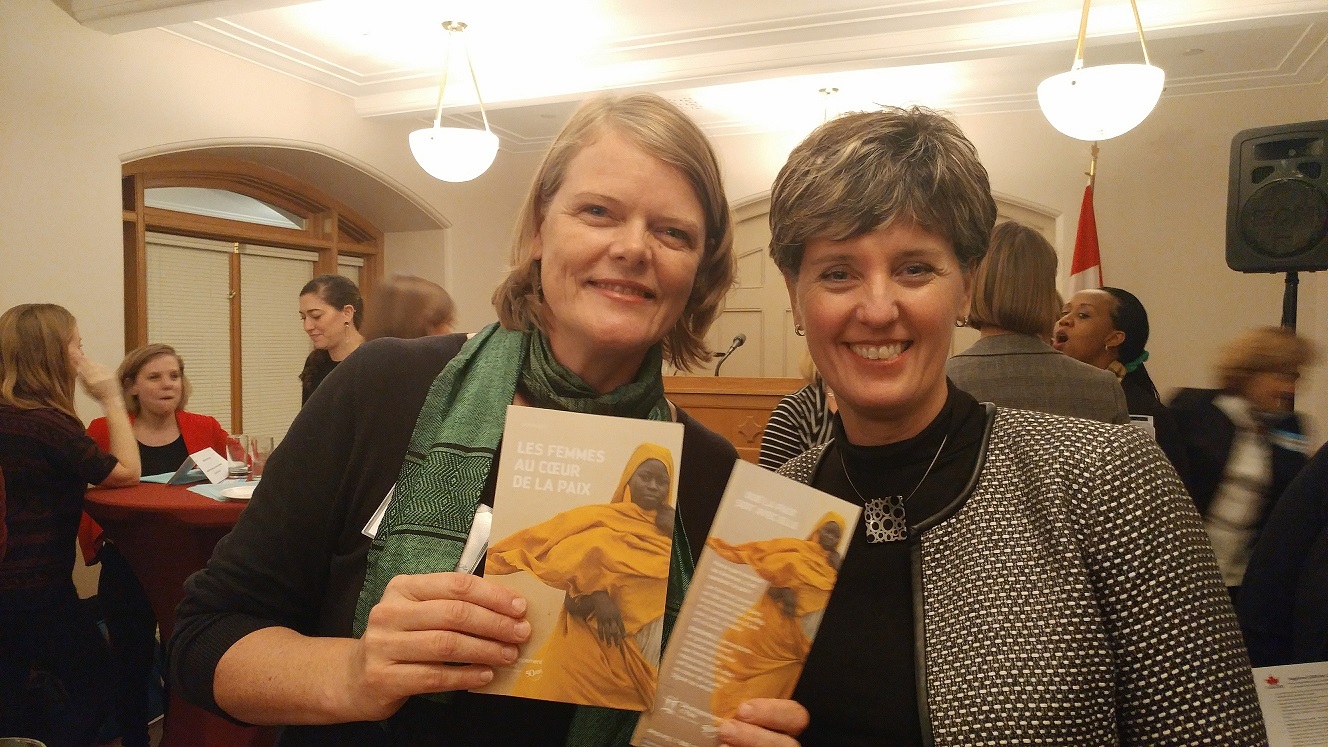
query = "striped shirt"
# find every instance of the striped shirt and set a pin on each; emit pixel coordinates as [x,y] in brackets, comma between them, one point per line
[800,421]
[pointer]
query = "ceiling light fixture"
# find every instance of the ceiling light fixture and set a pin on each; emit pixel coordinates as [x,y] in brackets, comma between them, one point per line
[1104,101]
[455,154]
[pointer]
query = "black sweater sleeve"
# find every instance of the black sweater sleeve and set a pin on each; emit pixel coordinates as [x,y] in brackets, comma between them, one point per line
[296,557]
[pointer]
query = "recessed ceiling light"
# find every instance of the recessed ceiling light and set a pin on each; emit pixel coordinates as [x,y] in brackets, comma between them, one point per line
[1192,51]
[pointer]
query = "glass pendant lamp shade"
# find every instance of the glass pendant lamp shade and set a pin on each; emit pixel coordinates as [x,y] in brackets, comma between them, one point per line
[1104,101]
[1100,102]
[454,154]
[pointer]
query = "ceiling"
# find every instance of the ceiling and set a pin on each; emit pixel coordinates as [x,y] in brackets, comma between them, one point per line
[739,66]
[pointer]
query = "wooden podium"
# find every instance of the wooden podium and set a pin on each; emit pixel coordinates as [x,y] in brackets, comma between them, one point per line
[734,407]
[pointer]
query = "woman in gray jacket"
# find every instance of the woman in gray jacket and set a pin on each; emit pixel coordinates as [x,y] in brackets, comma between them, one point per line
[1017,578]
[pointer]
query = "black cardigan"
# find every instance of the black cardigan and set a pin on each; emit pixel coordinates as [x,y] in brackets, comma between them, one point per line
[297,556]
[1208,433]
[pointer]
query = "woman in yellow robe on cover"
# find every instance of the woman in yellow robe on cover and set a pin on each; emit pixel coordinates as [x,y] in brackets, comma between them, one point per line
[762,654]
[612,560]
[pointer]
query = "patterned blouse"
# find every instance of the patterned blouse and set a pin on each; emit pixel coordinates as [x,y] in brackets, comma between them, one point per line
[1073,599]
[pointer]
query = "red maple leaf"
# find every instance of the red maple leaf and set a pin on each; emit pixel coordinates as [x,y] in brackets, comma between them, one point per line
[1272,681]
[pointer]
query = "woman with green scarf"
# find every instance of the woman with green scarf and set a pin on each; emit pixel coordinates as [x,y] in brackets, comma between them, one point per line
[317,610]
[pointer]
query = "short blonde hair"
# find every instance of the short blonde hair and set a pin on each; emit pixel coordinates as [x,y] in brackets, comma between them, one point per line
[133,363]
[662,130]
[35,369]
[407,306]
[1262,350]
[868,170]
[1014,287]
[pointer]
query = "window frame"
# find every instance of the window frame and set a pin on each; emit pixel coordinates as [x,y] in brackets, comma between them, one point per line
[331,230]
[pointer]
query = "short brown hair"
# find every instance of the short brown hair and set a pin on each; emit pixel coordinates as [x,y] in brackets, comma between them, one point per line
[867,170]
[407,306]
[35,370]
[1262,350]
[135,360]
[1015,284]
[662,130]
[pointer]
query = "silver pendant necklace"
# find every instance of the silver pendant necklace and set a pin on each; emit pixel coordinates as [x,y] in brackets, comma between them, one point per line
[886,520]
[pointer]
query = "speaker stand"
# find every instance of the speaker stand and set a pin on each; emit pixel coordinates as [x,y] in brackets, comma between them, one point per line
[1289,300]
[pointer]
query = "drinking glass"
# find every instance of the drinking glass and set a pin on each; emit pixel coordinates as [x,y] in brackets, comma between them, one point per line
[237,456]
[260,448]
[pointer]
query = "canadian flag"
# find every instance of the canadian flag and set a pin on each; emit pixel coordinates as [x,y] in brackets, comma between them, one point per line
[1086,267]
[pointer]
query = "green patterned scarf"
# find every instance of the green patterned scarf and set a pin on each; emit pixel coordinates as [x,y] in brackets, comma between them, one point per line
[452,450]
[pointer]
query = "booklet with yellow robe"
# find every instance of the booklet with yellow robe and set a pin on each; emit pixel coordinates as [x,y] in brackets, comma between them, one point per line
[747,624]
[583,528]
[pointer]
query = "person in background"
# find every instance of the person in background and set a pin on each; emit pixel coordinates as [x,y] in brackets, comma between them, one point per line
[1283,602]
[1017,577]
[48,462]
[1108,328]
[621,260]
[407,307]
[1014,303]
[1243,441]
[156,392]
[800,421]
[332,311]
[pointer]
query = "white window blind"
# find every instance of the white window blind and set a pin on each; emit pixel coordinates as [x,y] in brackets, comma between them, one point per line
[188,284]
[351,267]
[273,343]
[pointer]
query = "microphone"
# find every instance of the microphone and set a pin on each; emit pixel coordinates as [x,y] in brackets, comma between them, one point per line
[738,340]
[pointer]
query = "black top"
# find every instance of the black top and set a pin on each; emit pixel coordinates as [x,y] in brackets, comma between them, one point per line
[1283,602]
[159,460]
[859,682]
[1207,435]
[1142,400]
[297,556]
[48,462]
[316,368]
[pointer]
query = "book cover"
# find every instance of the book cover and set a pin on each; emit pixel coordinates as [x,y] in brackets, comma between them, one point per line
[747,625]
[583,529]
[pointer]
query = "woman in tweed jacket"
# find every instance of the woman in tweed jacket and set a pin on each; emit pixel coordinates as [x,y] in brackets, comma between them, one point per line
[1018,577]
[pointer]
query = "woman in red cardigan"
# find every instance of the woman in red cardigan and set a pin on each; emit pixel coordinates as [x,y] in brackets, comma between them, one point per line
[155,392]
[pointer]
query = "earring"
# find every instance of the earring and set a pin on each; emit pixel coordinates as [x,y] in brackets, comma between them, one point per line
[961,321]
[799,330]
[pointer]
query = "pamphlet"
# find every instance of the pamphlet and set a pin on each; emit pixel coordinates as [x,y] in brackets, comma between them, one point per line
[1145,424]
[1294,699]
[202,464]
[583,529]
[753,608]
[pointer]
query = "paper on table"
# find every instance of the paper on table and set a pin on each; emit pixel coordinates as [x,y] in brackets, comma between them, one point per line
[1294,699]
[202,464]
[214,491]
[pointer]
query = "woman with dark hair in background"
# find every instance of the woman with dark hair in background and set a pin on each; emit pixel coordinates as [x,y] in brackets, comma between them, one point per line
[332,311]
[406,306]
[1108,328]
[156,392]
[1244,441]
[1014,304]
[48,462]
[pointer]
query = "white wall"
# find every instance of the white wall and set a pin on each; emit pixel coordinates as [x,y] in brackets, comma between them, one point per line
[76,102]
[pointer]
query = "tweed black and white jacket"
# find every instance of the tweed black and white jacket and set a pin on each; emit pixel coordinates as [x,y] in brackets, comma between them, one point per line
[1069,596]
